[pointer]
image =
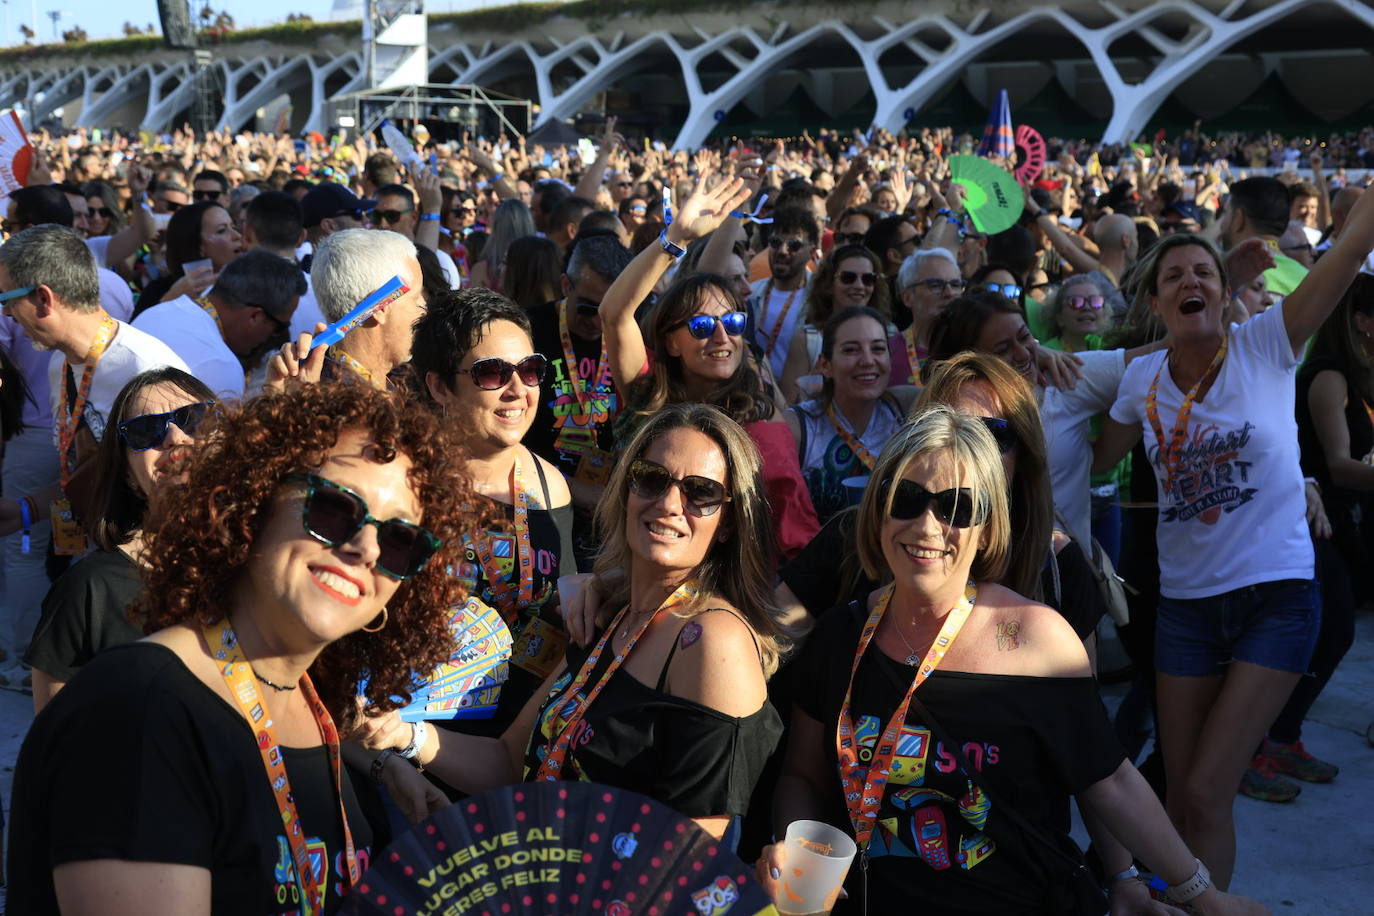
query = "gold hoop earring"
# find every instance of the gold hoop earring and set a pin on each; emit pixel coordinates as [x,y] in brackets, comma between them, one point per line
[379,627]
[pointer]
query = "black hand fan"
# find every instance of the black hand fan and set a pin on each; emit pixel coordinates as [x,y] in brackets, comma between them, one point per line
[557,849]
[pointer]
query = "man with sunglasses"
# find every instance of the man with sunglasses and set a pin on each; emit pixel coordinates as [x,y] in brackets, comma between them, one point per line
[776,305]
[577,399]
[224,334]
[210,185]
[50,289]
[396,211]
[170,197]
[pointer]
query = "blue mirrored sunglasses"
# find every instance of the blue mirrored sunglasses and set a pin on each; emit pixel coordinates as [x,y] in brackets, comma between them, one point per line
[703,326]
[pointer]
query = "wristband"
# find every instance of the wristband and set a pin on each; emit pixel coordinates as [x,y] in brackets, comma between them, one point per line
[427,217]
[1188,890]
[497,176]
[26,513]
[675,250]
[1127,875]
[379,765]
[419,734]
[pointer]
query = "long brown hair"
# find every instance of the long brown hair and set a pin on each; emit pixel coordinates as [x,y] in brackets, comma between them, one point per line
[820,302]
[739,569]
[1337,339]
[1032,505]
[742,396]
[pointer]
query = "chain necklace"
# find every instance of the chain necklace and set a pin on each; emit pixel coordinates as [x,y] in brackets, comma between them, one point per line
[913,657]
[285,689]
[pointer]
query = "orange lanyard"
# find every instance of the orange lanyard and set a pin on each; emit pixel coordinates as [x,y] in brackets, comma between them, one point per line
[1170,453]
[551,767]
[863,788]
[855,444]
[915,356]
[239,678]
[581,387]
[770,339]
[69,413]
[349,364]
[508,601]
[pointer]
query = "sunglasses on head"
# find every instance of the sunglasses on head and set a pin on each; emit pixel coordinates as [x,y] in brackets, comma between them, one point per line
[938,286]
[388,216]
[850,276]
[953,507]
[1002,433]
[334,515]
[703,326]
[793,245]
[849,238]
[206,195]
[150,430]
[1085,302]
[494,372]
[1010,290]
[650,480]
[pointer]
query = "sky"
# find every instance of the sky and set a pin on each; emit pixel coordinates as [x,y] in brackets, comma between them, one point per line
[103,19]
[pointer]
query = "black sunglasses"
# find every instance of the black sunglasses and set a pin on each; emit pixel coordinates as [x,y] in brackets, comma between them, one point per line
[793,245]
[172,206]
[150,430]
[849,276]
[206,195]
[703,326]
[494,373]
[953,507]
[848,238]
[103,212]
[389,216]
[650,480]
[334,515]
[1002,433]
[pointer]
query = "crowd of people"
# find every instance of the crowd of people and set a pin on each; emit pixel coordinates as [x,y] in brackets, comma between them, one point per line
[799,495]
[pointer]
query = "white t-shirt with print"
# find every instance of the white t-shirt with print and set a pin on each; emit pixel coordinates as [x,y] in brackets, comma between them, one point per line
[129,353]
[1236,514]
[1067,419]
[193,334]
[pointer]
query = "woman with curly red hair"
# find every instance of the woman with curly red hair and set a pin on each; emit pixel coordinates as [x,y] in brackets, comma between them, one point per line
[198,770]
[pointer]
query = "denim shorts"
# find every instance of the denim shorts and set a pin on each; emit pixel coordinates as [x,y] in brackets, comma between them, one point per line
[1273,624]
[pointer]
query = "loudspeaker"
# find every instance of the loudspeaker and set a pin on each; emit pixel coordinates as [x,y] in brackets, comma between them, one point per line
[176,23]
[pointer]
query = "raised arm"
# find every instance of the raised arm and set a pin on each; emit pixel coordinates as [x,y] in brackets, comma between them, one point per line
[1323,192]
[1068,249]
[703,212]
[140,229]
[591,179]
[1315,298]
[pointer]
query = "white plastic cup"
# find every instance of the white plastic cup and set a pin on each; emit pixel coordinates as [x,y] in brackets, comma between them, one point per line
[569,587]
[816,859]
[854,488]
[190,267]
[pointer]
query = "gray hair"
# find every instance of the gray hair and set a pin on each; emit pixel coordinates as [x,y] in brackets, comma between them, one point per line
[1049,313]
[911,267]
[603,255]
[260,278]
[56,257]
[350,264]
[512,220]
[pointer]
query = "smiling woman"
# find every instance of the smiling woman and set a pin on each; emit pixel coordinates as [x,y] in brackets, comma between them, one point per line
[307,547]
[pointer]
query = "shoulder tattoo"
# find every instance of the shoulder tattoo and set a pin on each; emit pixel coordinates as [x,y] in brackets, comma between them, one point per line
[690,634]
[1008,635]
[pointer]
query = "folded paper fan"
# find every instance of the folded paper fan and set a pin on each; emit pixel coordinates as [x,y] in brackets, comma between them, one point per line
[1030,154]
[557,849]
[16,153]
[994,201]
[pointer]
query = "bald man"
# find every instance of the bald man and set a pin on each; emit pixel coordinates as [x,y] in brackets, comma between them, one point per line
[1117,244]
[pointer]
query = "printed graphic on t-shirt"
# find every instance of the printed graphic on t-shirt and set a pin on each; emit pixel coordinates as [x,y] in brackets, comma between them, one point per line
[826,481]
[575,423]
[1209,478]
[921,821]
[330,872]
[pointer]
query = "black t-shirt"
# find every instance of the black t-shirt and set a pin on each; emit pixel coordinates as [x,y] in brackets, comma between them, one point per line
[565,430]
[827,573]
[692,758]
[551,542]
[138,759]
[940,845]
[1313,456]
[84,614]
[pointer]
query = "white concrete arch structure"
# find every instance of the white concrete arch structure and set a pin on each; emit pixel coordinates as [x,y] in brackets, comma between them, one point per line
[571,60]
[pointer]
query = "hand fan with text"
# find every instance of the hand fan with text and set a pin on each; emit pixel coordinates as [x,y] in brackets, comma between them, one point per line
[994,200]
[557,849]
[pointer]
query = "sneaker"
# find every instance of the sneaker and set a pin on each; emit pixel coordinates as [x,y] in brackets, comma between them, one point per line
[1261,781]
[1293,760]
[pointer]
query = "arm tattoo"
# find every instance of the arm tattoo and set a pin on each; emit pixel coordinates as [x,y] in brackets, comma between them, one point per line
[690,634]
[1009,635]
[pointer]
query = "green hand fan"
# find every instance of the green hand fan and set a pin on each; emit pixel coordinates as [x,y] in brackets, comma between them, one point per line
[994,200]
